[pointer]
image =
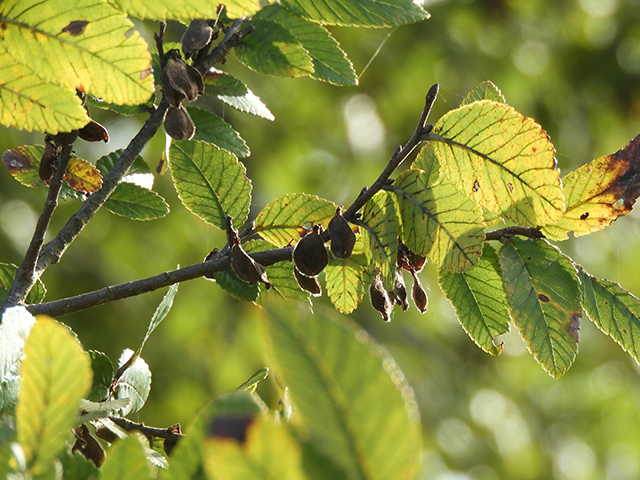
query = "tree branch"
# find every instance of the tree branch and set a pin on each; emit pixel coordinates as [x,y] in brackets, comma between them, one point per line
[232,36]
[129,426]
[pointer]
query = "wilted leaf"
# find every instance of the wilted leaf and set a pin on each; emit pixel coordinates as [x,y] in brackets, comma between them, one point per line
[211,128]
[272,50]
[211,183]
[83,176]
[599,192]
[7,274]
[485,91]
[236,94]
[280,221]
[347,393]
[55,375]
[438,222]
[501,160]
[137,203]
[91,60]
[135,383]
[544,296]
[358,13]
[480,301]
[614,311]
[330,63]
[380,235]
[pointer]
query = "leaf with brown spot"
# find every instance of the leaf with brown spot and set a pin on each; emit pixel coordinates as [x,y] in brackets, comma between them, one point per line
[75,28]
[599,192]
[82,176]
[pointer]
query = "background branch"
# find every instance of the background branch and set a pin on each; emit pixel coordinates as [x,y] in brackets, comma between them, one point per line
[129,426]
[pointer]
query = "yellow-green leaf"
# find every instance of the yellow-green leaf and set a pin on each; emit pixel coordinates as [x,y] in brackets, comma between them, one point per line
[84,45]
[185,10]
[501,160]
[126,461]
[83,176]
[380,234]
[598,193]
[346,280]
[55,374]
[485,91]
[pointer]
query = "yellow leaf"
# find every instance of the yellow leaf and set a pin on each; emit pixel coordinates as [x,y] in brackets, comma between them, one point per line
[83,176]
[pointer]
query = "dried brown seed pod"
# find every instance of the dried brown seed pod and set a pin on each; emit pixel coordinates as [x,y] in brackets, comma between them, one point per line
[94,132]
[310,284]
[399,292]
[380,298]
[170,443]
[246,268]
[420,298]
[408,260]
[196,37]
[47,163]
[310,254]
[178,124]
[342,237]
[183,77]
[63,139]
[87,445]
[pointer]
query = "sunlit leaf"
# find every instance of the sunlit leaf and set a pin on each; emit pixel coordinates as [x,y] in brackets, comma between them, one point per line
[358,13]
[544,297]
[599,192]
[273,50]
[159,315]
[7,274]
[126,461]
[135,382]
[614,310]
[83,176]
[102,375]
[137,203]
[55,375]
[280,221]
[438,222]
[120,109]
[29,102]
[184,10]
[211,128]
[15,327]
[106,163]
[80,46]
[501,160]
[236,94]
[485,91]
[269,451]
[480,301]
[330,63]
[210,182]
[346,281]
[380,235]
[347,393]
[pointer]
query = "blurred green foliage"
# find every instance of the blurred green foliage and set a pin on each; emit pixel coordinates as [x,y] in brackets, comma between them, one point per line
[573,66]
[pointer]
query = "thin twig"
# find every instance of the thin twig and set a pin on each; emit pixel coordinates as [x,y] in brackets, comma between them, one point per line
[232,36]
[508,232]
[129,426]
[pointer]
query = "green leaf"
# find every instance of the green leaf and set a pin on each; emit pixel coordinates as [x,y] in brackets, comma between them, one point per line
[439,222]
[380,234]
[7,274]
[137,203]
[80,46]
[269,451]
[348,394]
[358,13]
[158,316]
[501,160]
[184,10]
[135,382]
[55,375]
[211,128]
[15,327]
[77,467]
[544,297]
[126,461]
[272,50]
[241,290]
[102,375]
[479,300]
[614,310]
[598,193]
[121,109]
[106,163]
[233,92]
[485,91]
[210,182]
[253,381]
[280,221]
[330,63]
[29,102]
[346,278]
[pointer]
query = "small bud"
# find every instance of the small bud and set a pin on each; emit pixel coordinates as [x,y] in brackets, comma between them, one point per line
[420,298]
[178,124]
[183,77]
[380,298]
[310,254]
[310,284]
[47,163]
[197,36]
[93,132]
[342,237]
